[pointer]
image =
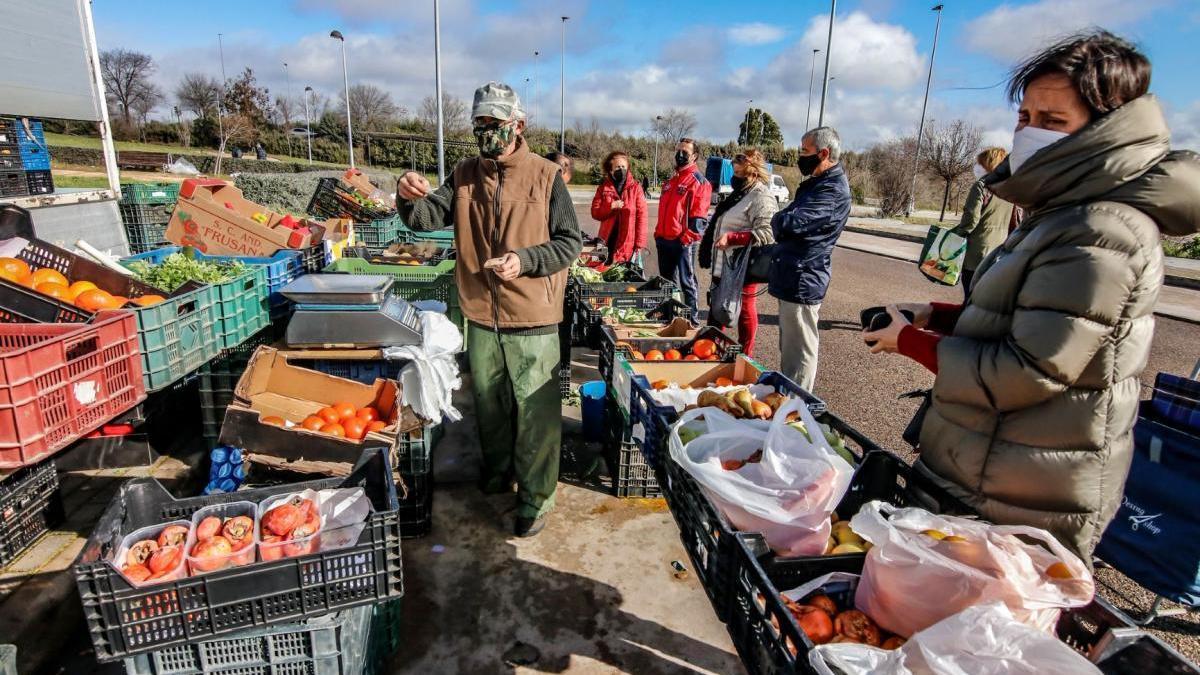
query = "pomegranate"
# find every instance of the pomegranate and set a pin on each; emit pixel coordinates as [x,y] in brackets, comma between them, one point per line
[211,554]
[208,528]
[271,549]
[282,519]
[822,601]
[136,573]
[858,627]
[172,535]
[140,552]
[814,621]
[165,559]
[239,530]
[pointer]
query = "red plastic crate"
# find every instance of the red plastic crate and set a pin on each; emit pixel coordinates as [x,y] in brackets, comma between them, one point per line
[58,382]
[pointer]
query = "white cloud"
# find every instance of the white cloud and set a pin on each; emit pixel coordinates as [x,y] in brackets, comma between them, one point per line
[755,34]
[1185,127]
[865,54]
[1012,32]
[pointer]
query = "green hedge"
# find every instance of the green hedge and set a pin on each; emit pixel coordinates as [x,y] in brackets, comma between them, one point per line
[292,191]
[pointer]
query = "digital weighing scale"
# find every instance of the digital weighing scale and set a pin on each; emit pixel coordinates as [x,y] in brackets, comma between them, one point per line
[349,310]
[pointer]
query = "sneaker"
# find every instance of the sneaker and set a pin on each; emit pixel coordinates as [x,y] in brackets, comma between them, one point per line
[528,527]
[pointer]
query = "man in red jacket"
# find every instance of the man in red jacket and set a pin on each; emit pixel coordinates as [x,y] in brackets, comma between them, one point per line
[682,217]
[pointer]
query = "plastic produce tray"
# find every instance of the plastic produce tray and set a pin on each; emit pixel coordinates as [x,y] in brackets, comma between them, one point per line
[30,504]
[241,303]
[407,235]
[631,475]
[334,199]
[13,182]
[727,347]
[378,234]
[145,211]
[150,193]
[61,381]
[124,620]
[412,282]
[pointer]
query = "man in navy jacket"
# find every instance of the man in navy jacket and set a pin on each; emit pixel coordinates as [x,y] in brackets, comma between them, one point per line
[805,233]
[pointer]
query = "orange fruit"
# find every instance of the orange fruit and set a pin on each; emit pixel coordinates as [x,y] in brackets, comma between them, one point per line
[46,274]
[355,428]
[344,410]
[673,355]
[1059,570]
[724,382]
[704,348]
[367,414]
[54,290]
[148,300]
[313,423]
[273,419]
[334,429]
[117,302]
[14,269]
[377,425]
[654,355]
[93,300]
[329,414]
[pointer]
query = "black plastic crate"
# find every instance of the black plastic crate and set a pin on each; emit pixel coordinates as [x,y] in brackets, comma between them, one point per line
[590,299]
[10,162]
[360,371]
[30,504]
[40,182]
[313,259]
[727,347]
[124,620]
[219,377]
[334,199]
[416,510]
[564,380]
[13,183]
[631,475]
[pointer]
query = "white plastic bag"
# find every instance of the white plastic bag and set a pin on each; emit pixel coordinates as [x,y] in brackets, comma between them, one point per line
[980,640]
[788,495]
[428,381]
[912,580]
[182,167]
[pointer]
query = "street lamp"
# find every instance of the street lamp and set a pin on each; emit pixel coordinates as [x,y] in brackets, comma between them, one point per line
[828,50]
[527,91]
[562,86]
[308,123]
[912,195]
[811,72]
[337,35]
[657,118]
[287,122]
[534,116]
[437,87]
[220,95]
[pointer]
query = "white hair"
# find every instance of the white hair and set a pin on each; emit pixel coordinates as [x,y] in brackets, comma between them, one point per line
[826,138]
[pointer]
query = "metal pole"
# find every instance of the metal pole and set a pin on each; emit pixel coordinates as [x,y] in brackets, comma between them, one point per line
[221,95]
[535,88]
[287,122]
[912,195]
[437,86]
[811,73]
[106,139]
[825,76]
[657,118]
[308,123]
[562,86]
[346,81]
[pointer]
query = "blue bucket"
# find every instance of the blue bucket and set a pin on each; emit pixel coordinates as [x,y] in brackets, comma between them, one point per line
[592,396]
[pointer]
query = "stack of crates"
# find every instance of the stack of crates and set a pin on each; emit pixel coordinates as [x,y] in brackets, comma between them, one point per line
[145,211]
[24,159]
[12,172]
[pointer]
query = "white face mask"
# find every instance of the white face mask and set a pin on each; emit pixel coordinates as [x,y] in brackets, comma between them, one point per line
[1027,141]
[979,171]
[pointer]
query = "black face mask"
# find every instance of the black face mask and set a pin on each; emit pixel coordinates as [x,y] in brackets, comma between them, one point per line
[808,163]
[618,176]
[682,159]
[738,183]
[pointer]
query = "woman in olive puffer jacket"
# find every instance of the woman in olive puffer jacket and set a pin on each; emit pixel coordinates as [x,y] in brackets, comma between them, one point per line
[1037,382]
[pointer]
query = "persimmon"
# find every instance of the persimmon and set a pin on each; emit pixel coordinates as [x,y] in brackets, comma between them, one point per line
[78,287]
[345,409]
[53,289]
[334,429]
[148,300]
[672,355]
[329,414]
[313,423]
[93,300]
[45,274]
[14,269]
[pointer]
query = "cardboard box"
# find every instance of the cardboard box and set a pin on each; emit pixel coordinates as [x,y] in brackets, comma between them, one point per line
[213,216]
[695,374]
[363,186]
[678,328]
[271,386]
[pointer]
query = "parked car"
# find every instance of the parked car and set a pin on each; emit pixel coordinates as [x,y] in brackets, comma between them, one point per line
[779,189]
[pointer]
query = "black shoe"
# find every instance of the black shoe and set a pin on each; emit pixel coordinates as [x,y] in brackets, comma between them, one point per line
[528,527]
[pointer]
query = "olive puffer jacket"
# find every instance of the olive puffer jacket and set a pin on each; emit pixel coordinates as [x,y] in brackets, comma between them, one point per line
[1038,385]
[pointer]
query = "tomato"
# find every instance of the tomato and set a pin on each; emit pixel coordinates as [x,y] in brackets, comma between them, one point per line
[93,300]
[14,269]
[345,410]
[673,355]
[46,274]
[704,348]
[329,414]
[691,357]
[367,413]
[273,419]
[377,425]
[313,423]
[53,289]
[355,428]
[334,429]
[654,355]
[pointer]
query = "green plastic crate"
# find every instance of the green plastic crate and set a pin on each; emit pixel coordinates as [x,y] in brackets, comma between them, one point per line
[242,307]
[413,282]
[379,233]
[407,236]
[150,193]
[177,336]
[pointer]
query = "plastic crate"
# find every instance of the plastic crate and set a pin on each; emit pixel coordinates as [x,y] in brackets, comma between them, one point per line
[240,303]
[564,380]
[30,504]
[9,162]
[60,381]
[150,193]
[219,377]
[124,620]
[145,226]
[589,299]
[631,475]
[329,645]
[314,258]
[416,510]
[13,183]
[407,235]
[378,233]
[412,282]
[359,371]
[334,199]
[727,348]
[384,641]
[40,182]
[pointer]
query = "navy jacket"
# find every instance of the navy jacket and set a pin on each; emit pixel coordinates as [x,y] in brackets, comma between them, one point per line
[805,232]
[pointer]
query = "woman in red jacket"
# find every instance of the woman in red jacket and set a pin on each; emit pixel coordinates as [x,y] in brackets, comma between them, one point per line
[620,206]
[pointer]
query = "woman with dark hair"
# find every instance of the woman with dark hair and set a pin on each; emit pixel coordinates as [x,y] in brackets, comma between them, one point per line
[1037,382]
[620,206]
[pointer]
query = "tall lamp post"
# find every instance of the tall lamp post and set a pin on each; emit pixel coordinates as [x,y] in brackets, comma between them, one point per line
[562,86]
[337,35]
[811,73]
[437,86]
[657,118]
[287,113]
[308,123]
[912,195]
[221,94]
[534,116]
[828,50]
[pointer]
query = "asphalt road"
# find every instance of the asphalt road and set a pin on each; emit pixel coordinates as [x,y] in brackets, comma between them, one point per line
[862,387]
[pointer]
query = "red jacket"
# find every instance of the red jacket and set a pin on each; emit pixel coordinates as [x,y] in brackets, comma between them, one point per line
[685,197]
[630,219]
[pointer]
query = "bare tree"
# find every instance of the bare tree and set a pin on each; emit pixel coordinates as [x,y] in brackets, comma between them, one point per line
[371,108]
[197,94]
[237,128]
[951,153]
[456,116]
[890,165]
[673,125]
[589,140]
[127,82]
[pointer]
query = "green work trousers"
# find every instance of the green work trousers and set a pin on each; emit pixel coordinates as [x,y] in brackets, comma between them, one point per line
[519,413]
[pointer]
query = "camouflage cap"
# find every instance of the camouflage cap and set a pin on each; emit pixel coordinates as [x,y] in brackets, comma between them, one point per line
[498,100]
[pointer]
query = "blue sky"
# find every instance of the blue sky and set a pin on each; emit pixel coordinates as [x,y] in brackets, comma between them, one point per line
[628,61]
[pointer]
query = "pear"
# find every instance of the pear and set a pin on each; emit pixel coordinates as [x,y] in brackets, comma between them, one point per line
[745,401]
[844,535]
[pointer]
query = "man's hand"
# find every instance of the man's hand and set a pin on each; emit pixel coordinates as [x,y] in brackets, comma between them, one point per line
[887,339]
[412,186]
[723,240]
[922,311]
[507,266]
[617,203]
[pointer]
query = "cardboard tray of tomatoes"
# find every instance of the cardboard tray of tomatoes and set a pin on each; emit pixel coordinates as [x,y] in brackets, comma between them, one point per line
[124,619]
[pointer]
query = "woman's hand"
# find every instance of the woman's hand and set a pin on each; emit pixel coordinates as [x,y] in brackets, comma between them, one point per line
[921,312]
[723,241]
[617,203]
[887,339]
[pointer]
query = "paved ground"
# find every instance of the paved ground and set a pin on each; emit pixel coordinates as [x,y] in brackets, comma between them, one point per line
[862,387]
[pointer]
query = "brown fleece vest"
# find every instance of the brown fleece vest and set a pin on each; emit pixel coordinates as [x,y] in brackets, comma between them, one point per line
[500,206]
